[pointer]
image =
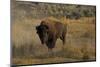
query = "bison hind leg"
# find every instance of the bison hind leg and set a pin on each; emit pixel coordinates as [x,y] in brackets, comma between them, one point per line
[63,38]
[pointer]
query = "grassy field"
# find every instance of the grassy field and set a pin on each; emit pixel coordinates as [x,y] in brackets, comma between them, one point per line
[80,42]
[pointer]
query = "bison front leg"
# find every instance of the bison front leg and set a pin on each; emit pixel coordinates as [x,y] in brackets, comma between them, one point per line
[50,52]
[63,38]
[51,45]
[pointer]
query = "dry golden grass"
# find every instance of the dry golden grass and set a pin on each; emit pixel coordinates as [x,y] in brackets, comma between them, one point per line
[80,42]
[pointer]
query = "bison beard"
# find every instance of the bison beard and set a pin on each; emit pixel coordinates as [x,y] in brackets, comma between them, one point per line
[50,31]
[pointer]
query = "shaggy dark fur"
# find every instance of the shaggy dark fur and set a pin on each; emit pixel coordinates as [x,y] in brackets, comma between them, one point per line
[49,31]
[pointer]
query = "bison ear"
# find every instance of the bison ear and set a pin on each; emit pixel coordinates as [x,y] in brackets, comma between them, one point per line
[36,27]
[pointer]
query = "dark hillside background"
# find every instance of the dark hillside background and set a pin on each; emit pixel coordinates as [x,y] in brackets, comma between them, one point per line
[39,10]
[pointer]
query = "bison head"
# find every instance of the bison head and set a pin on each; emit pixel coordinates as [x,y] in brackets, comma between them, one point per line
[42,31]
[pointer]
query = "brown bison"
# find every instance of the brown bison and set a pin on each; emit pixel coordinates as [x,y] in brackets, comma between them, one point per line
[49,31]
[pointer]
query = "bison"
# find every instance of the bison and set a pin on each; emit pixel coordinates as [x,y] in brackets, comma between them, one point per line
[49,31]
